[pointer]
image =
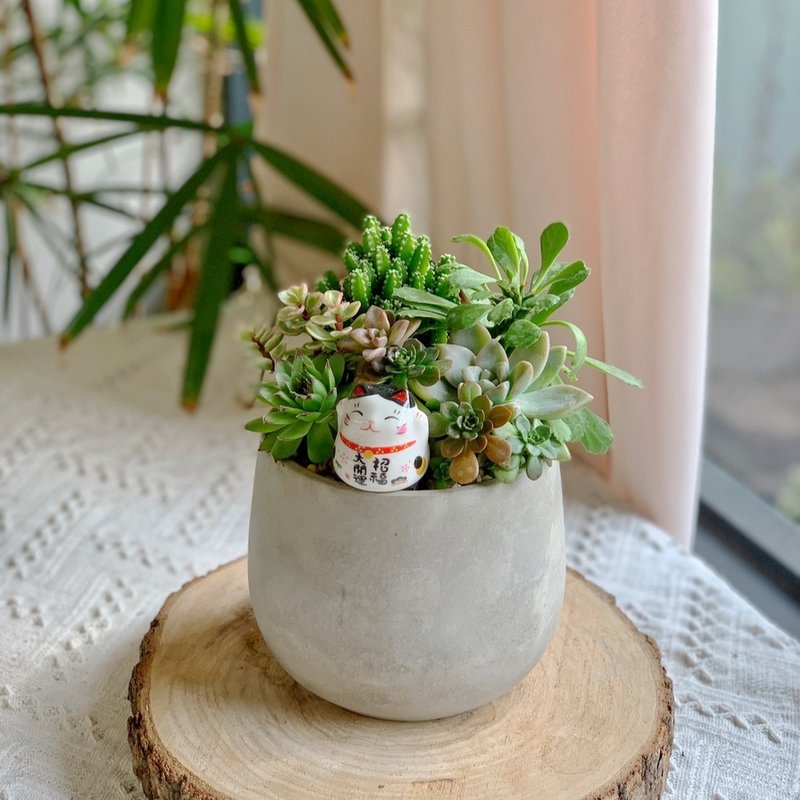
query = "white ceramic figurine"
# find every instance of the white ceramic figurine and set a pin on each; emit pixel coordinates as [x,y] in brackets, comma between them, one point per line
[382,444]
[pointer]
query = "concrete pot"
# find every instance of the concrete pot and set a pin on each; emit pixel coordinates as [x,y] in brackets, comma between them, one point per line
[408,606]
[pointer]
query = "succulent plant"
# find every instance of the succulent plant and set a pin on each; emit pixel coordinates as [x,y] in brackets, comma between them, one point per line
[411,361]
[524,378]
[387,259]
[334,323]
[299,305]
[534,444]
[302,407]
[376,331]
[470,425]
[268,343]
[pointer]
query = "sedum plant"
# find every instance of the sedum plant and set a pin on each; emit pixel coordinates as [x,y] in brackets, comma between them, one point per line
[473,350]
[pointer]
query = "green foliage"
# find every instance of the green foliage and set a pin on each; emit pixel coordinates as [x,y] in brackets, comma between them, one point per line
[149,37]
[499,397]
[302,408]
[470,424]
[389,260]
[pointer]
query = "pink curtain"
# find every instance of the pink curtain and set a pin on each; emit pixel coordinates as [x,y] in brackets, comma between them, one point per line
[471,114]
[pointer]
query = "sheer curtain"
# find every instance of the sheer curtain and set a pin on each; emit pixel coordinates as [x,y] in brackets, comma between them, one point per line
[470,114]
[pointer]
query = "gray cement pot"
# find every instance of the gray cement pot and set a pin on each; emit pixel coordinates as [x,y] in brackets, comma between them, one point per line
[412,605]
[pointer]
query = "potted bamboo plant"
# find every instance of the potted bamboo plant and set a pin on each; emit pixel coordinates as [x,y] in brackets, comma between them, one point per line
[406,555]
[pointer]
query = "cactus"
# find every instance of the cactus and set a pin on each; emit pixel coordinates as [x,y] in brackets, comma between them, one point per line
[387,259]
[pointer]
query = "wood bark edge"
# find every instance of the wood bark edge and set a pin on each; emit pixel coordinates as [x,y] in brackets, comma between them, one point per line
[163,778]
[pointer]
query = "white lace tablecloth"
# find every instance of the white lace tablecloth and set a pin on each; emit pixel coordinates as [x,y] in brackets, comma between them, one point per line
[111,497]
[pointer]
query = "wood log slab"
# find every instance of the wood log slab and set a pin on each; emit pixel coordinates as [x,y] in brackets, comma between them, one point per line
[215,716]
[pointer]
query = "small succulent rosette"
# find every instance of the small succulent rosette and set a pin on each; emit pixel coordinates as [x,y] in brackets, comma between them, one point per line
[382,443]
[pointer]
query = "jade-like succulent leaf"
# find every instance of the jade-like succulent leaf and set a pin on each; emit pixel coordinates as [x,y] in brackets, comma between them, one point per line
[553,402]
[469,391]
[520,378]
[493,358]
[437,426]
[459,358]
[555,362]
[432,396]
[534,468]
[499,393]
[473,338]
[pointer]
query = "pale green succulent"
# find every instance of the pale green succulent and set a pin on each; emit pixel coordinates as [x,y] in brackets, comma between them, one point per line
[470,425]
[529,378]
[534,444]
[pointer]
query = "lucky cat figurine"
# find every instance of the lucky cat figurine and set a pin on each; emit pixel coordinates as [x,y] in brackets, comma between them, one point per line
[382,444]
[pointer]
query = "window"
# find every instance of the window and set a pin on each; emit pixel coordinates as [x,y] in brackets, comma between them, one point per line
[752,470]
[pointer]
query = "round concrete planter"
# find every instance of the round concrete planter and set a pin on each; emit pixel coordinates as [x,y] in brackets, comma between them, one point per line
[412,605]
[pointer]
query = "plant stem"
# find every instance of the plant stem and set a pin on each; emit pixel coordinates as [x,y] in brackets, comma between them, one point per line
[58,133]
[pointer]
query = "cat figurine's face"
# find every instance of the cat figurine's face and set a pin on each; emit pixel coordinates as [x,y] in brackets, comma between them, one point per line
[382,444]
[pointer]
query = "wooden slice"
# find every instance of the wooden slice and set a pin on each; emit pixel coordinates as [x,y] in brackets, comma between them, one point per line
[215,716]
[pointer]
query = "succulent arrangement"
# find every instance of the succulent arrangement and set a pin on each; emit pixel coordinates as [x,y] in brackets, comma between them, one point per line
[472,349]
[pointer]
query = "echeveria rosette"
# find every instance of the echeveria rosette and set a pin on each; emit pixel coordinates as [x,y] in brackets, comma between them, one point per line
[534,444]
[301,397]
[376,331]
[469,425]
[412,361]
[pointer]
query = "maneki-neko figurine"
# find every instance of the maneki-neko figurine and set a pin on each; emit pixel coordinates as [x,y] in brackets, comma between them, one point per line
[382,442]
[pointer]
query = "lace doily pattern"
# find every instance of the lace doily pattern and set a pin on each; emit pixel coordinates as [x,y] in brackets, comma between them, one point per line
[111,497]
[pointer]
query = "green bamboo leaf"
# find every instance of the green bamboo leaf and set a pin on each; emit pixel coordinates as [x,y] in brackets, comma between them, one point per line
[149,278]
[141,14]
[214,286]
[166,41]
[243,42]
[319,16]
[313,183]
[143,121]
[11,249]
[65,152]
[141,244]
[615,372]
